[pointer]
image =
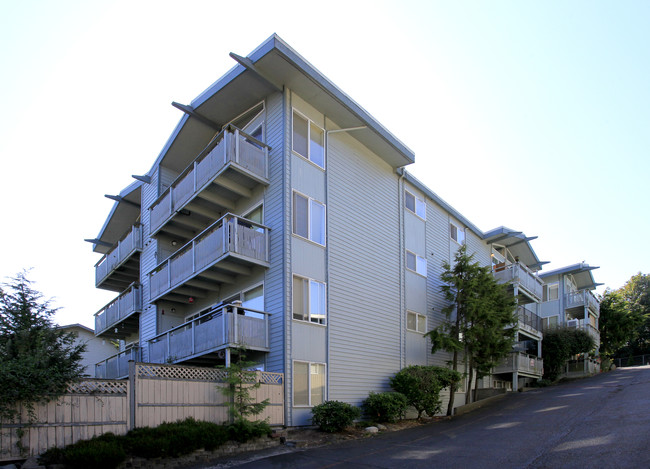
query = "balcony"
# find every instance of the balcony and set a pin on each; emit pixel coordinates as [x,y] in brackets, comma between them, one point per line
[526,281]
[529,321]
[120,267]
[227,170]
[522,363]
[230,246]
[581,299]
[593,332]
[117,366]
[227,326]
[120,318]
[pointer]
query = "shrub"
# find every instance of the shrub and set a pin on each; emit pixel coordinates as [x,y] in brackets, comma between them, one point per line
[559,345]
[422,385]
[334,416]
[385,406]
[243,430]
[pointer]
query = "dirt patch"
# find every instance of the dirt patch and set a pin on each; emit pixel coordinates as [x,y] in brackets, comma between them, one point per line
[304,437]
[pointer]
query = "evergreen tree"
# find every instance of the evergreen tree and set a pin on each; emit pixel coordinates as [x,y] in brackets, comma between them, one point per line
[478,315]
[37,360]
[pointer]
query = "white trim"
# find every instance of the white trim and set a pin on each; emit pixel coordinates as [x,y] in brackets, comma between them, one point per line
[307,157]
[417,264]
[310,200]
[458,230]
[309,315]
[417,199]
[417,321]
[293,383]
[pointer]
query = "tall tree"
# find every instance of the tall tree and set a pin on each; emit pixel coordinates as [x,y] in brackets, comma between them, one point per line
[37,360]
[478,315]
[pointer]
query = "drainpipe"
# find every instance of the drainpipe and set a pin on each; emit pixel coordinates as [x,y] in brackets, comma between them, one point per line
[400,215]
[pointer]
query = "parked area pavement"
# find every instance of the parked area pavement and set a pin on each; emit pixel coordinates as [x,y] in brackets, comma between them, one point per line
[597,422]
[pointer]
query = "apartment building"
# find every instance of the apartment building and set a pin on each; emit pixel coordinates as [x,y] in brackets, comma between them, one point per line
[279,217]
[569,301]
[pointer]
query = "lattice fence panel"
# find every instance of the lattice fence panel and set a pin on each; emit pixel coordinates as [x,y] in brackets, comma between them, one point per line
[149,370]
[93,386]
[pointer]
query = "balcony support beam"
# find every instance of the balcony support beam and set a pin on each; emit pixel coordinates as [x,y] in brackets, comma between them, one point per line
[232,267]
[233,186]
[174,230]
[193,207]
[189,110]
[248,64]
[216,199]
[217,277]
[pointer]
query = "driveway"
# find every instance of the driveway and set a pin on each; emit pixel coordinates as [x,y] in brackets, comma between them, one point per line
[598,422]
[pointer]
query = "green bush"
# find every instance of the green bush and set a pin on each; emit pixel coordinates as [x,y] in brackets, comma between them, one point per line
[422,385]
[385,406]
[243,430]
[334,416]
[103,452]
[166,440]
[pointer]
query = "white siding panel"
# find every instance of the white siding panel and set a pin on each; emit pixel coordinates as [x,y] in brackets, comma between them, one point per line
[308,342]
[308,259]
[364,271]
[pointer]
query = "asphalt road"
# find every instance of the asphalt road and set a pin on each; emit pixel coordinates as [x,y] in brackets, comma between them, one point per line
[598,422]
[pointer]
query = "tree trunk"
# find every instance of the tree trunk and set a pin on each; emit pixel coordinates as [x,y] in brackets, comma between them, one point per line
[476,388]
[452,389]
[468,395]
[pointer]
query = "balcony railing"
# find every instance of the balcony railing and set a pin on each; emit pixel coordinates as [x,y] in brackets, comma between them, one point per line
[121,308]
[593,332]
[228,326]
[529,320]
[524,277]
[521,363]
[230,236]
[117,366]
[231,148]
[581,298]
[126,247]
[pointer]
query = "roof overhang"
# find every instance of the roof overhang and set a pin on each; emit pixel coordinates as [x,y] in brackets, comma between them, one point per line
[517,243]
[123,215]
[582,274]
[275,65]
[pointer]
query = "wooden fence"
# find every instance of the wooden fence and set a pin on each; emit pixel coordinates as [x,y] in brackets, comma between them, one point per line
[152,394]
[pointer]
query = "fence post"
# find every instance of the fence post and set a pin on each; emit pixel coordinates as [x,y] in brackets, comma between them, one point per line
[132,400]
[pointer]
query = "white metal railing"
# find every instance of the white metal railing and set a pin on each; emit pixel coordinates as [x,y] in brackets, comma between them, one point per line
[117,366]
[522,275]
[229,234]
[581,298]
[521,362]
[127,303]
[230,146]
[127,246]
[227,326]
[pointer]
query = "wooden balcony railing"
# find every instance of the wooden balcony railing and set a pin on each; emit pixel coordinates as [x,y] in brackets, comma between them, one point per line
[228,326]
[126,247]
[121,308]
[229,236]
[522,363]
[231,148]
[117,366]
[519,274]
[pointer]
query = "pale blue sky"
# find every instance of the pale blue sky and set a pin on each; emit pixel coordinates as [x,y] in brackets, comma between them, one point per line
[533,115]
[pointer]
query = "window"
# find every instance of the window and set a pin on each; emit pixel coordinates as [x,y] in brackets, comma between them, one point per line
[308,140]
[254,299]
[308,218]
[457,234]
[308,384]
[552,291]
[309,300]
[416,322]
[416,263]
[415,205]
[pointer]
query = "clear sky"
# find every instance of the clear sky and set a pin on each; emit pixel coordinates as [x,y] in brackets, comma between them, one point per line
[532,115]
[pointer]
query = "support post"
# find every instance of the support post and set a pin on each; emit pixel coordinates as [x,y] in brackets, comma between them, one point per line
[132,400]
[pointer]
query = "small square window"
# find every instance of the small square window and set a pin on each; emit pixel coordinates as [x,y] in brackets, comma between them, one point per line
[457,234]
[416,322]
[415,205]
[416,263]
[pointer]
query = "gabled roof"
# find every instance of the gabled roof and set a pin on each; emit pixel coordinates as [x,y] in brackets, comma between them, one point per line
[582,274]
[270,67]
